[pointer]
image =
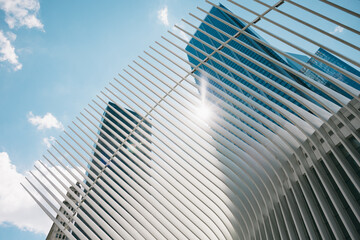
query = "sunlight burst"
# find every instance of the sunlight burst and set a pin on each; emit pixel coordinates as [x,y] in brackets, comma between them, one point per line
[203,111]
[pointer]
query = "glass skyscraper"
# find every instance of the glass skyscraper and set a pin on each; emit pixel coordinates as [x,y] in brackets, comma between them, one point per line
[197,51]
[118,122]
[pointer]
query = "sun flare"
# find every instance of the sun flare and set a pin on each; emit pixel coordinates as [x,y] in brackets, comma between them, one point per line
[203,112]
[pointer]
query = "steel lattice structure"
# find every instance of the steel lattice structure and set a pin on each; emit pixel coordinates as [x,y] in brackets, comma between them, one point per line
[283,164]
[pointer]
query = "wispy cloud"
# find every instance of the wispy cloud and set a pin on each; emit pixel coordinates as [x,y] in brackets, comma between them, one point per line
[7,51]
[46,122]
[182,34]
[162,15]
[20,13]
[16,206]
[48,141]
[337,29]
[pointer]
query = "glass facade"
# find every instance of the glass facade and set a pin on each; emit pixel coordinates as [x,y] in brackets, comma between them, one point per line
[215,69]
[115,124]
[330,71]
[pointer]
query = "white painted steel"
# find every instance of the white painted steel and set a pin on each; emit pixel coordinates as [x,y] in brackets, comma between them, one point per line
[252,170]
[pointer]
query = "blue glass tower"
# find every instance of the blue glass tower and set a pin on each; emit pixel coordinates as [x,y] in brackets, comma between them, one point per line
[195,56]
[330,71]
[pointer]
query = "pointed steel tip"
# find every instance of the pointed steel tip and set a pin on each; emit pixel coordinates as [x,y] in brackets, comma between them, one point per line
[26,189]
[41,162]
[27,179]
[33,173]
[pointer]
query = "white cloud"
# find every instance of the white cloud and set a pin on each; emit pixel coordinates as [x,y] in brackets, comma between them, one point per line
[16,206]
[11,36]
[337,29]
[45,122]
[7,51]
[48,141]
[162,15]
[20,13]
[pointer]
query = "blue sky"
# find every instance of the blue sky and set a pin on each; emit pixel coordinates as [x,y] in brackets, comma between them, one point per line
[54,57]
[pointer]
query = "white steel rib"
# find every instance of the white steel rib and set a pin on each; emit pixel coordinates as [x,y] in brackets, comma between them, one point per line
[278,156]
